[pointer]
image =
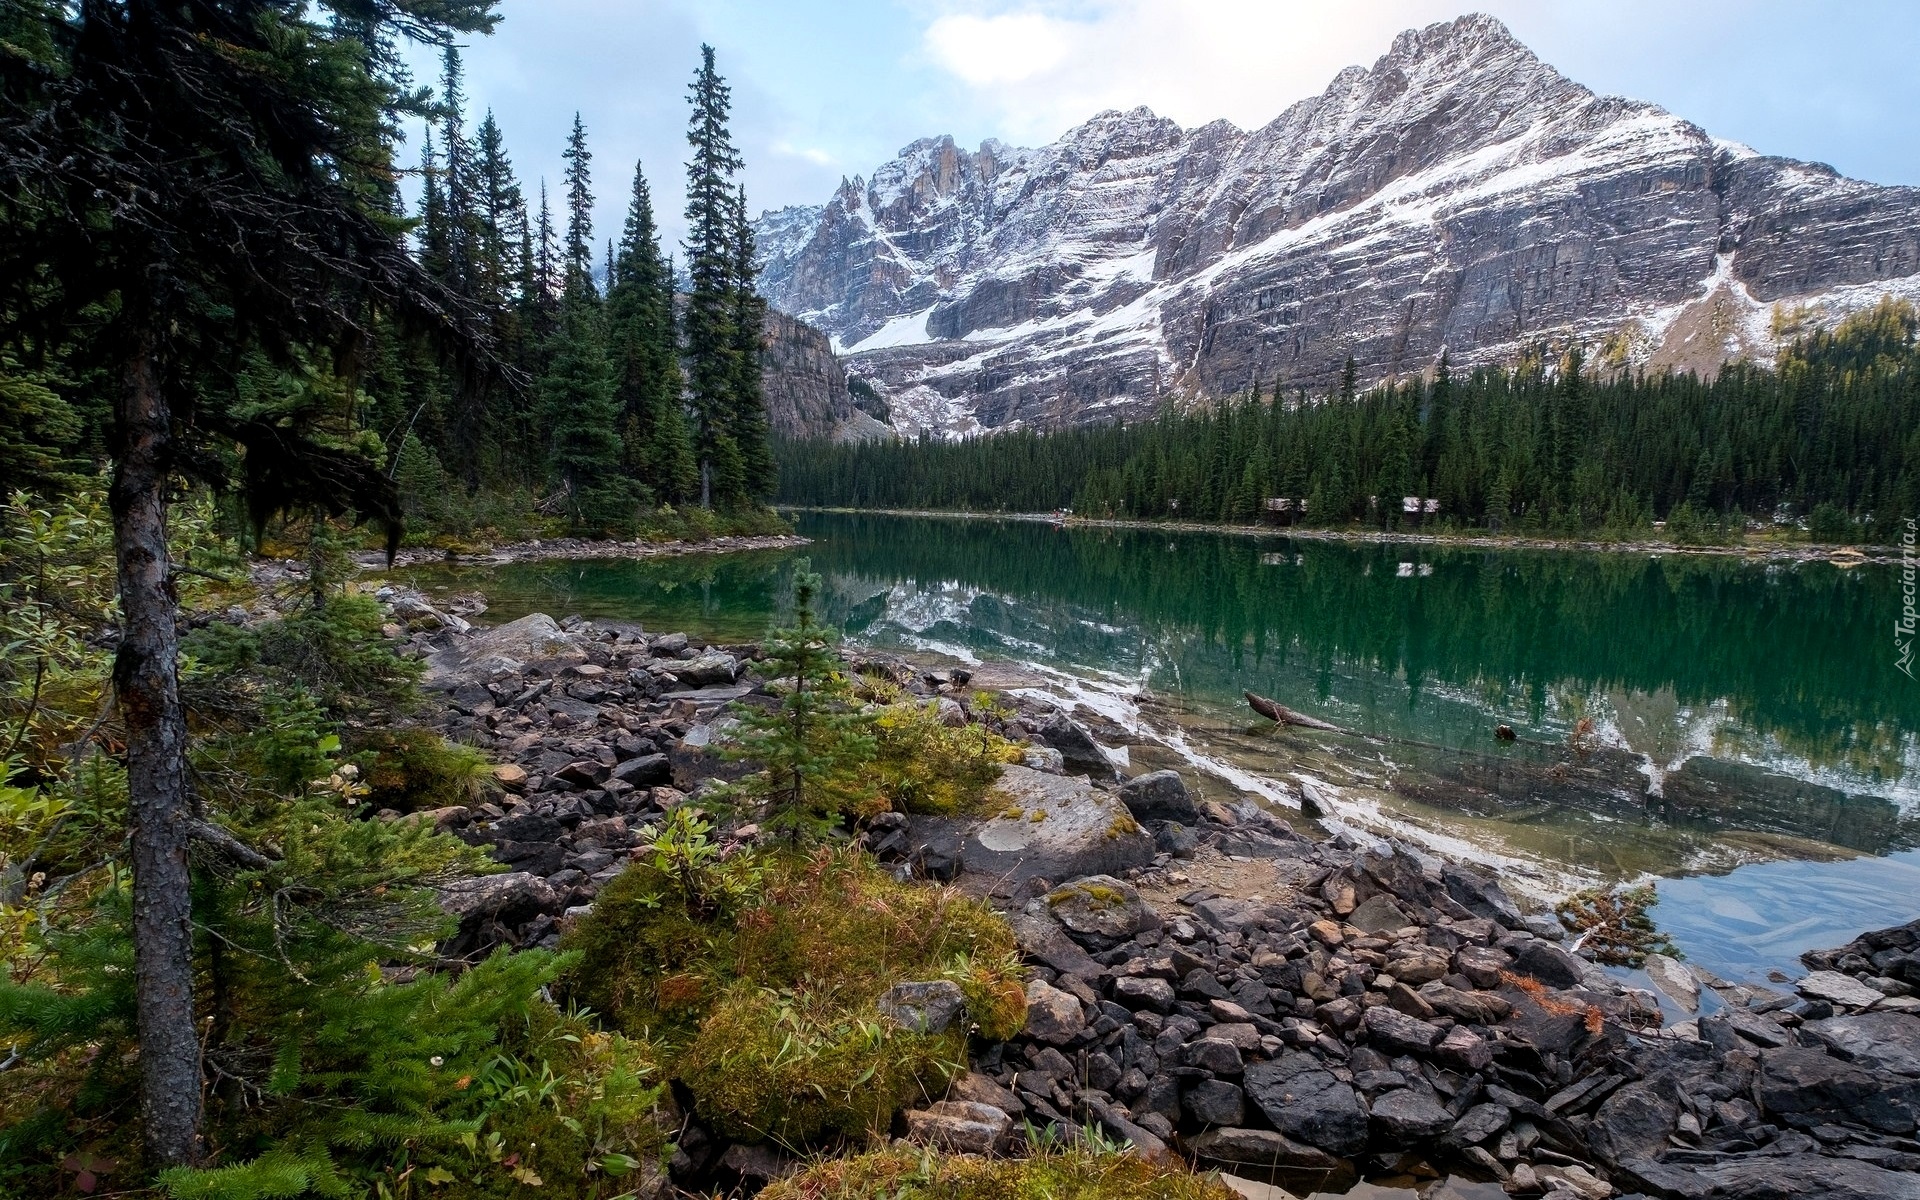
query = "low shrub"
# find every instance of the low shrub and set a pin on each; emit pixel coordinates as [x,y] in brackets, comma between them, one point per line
[759,978]
[1053,1173]
[930,767]
[692,524]
[412,769]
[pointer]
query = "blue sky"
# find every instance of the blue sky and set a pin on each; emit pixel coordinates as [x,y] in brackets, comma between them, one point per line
[826,88]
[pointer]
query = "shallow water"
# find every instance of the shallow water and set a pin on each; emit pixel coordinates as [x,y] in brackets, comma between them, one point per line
[1739,727]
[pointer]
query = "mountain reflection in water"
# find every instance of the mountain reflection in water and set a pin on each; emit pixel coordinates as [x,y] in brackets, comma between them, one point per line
[1676,715]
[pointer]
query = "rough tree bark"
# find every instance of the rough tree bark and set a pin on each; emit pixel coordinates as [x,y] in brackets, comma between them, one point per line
[146,680]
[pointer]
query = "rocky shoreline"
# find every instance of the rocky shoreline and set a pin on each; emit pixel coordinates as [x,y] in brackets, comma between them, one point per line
[1846,555]
[1362,1011]
[540,550]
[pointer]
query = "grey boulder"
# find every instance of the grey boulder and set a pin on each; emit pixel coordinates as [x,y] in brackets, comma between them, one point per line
[1053,827]
[1101,907]
[928,1007]
[1159,796]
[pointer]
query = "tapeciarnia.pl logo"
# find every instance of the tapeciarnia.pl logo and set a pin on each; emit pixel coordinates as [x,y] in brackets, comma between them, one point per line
[1903,629]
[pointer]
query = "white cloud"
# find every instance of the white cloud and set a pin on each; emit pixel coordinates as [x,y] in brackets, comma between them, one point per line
[1050,64]
[812,154]
[998,50]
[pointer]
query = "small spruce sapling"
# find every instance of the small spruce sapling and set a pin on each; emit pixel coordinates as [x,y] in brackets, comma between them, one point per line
[815,746]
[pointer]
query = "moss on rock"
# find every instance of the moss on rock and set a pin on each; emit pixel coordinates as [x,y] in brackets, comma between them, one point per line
[1057,1174]
[760,985]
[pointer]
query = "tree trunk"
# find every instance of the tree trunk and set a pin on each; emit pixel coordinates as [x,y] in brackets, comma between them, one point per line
[146,680]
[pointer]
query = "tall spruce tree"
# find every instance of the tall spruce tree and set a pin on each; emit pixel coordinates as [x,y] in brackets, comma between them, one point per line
[466,269]
[435,235]
[206,183]
[549,280]
[459,182]
[578,263]
[503,218]
[748,410]
[712,340]
[577,393]
[646,356]
[577,390]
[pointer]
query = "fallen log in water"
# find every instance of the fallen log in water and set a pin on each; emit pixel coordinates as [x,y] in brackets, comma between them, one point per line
[1279,713]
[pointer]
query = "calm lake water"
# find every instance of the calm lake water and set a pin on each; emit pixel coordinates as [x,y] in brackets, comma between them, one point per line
[1737,727]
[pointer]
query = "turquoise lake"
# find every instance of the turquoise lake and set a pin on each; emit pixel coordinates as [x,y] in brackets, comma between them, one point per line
[1736,728]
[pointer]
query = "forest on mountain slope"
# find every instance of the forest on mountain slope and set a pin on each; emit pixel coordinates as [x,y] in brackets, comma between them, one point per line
[1827,438]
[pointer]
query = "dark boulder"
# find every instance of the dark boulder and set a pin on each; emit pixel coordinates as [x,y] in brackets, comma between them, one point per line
[1549,964]
[1143,992]
[1635,1121]
[1394,1032]
[1076,746]
[1260,1148]
[1214,1102]
[1303,1100]
[1886,1041]
[647,770]
[1804,1088]
[1407,1115]
[1479,894]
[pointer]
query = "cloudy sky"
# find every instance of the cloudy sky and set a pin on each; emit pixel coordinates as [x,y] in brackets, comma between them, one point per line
[830,88]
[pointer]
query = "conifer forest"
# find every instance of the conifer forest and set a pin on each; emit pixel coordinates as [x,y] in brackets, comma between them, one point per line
[1827,440]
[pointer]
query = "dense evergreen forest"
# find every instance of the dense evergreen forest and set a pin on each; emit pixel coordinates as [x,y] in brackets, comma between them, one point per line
[612,401]
[1828,438]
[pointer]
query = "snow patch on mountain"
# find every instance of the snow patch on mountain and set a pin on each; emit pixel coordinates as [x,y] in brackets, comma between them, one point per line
[1459,194]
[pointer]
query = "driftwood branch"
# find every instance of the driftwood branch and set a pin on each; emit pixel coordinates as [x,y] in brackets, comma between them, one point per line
[1280,714]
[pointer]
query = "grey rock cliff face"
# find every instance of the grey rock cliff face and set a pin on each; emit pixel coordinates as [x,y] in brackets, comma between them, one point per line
[806,387]
[1459,195]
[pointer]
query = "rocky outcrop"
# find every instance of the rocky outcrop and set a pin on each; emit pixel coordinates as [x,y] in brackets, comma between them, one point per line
[1294,1039]
[1459,195]
[807,390]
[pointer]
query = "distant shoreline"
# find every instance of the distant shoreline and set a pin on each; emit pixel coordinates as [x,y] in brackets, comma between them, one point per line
[538,550]
[1771,552]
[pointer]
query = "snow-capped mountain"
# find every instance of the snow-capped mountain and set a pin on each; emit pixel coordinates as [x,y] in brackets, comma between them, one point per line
[1459,195]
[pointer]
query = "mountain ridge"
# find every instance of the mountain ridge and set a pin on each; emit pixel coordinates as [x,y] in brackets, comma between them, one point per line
[1459,195]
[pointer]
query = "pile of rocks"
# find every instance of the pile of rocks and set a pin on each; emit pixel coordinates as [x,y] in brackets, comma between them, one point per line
[1394,1014]
[1377,1011]
[598,729]
[1878,970]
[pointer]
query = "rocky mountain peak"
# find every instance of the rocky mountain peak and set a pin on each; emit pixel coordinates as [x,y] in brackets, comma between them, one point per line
[1458,193]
